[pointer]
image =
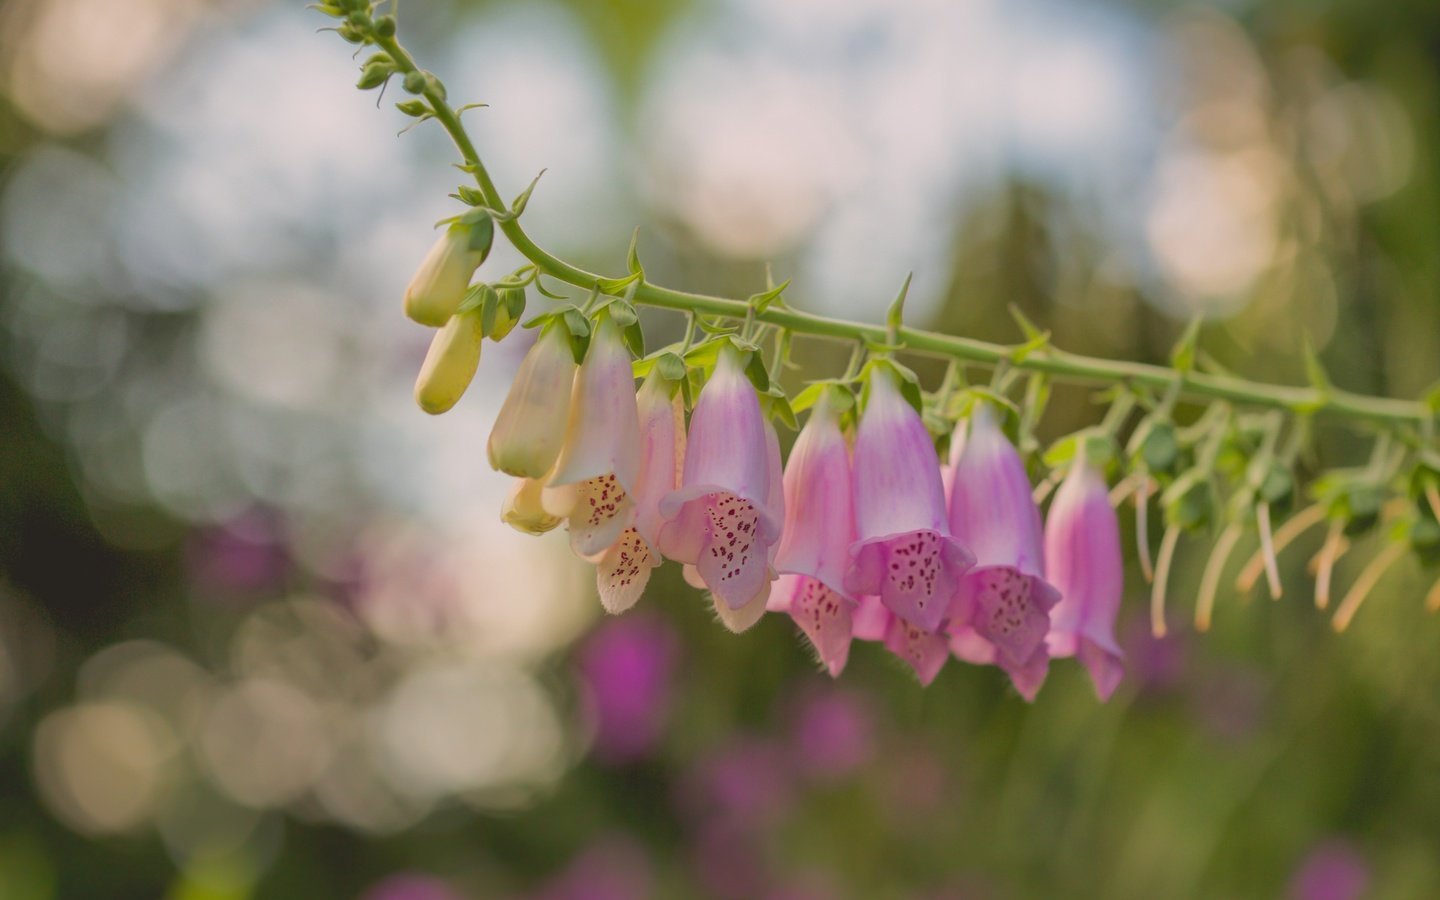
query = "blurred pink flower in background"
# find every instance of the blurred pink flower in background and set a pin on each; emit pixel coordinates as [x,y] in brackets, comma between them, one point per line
[832,735]
[1334,869]
[612,868]
[247,554]
[626,668]
[745,779]
[409,886]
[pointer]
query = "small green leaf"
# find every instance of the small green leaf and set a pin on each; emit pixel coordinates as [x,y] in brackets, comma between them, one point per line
[761,301]
[635,338]
[756,372]
[540,286]
[1314,370]
[616,285]
[632,256]
[1182,358]
[520,202]
[1029,328]
[576,321]
[895,315]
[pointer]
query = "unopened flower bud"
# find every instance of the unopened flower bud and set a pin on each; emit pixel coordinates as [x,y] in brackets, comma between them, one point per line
[530,429]
[439,286]
[415,82]
[450,365]
[523,510]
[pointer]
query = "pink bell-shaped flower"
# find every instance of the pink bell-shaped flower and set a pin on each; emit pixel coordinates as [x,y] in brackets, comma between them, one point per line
[624,570]
[590,486]
[530,429]
[904,553]
[719,520]
[742,618]
[1082,548]
[1004,598]
[819,529]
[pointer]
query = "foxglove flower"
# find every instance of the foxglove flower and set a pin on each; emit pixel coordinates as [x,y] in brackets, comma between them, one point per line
[1082,548]
[590,486]
[439,286]
[624,571]
[720,520]
[904,554]
[738,620]
[450,363]
[530,429]
[819,528]
[1004,599]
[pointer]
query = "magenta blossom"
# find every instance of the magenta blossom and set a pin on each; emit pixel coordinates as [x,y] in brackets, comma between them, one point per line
[720,520]
[819,529]
[905,554]
[1004,602]
[624,569]
[1082,546]
[627,667]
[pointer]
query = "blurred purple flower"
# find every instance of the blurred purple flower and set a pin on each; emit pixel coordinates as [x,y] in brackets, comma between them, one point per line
[832,735]
[1332,870]
[246,554]
[1156,665]
[626,667]
[412,887]
[746,780]
[1230,703]
[729,861]
[612,868]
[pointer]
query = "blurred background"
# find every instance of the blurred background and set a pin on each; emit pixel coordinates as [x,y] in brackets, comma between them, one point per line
[262,634]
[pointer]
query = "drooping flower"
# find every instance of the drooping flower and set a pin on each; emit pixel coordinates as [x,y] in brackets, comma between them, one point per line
[747,614]
[530,429]
[595,473]
[1005,600]
[819,528]
[450,363]
[439,285]
[905,553]
[623,572]
[719,519]
[1082,549]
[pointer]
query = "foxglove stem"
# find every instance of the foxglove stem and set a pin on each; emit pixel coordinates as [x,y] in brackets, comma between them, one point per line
[1046,360]
[1330,552]
[1142,528]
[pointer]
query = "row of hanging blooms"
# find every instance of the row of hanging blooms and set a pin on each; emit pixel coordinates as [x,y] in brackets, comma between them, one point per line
[864,532]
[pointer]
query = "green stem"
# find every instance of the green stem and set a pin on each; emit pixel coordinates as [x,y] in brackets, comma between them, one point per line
[1051,361]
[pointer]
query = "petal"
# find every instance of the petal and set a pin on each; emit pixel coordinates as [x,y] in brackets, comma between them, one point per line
[726,450]
[1007,608]
[741,619]
[602,511]
[819,508]
[896,471]
[623,572]
[603,431]
[733,563]
[530,429]
[1105,665]
[662,451]
[1029,677]
[915,574]
[523,509]
[870,620]
[992,506]
[824,615]
[923,651]
[1082,549]
[692,577]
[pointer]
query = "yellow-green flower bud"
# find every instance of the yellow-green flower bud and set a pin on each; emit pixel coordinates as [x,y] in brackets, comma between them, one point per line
[450,364]
[439,285]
